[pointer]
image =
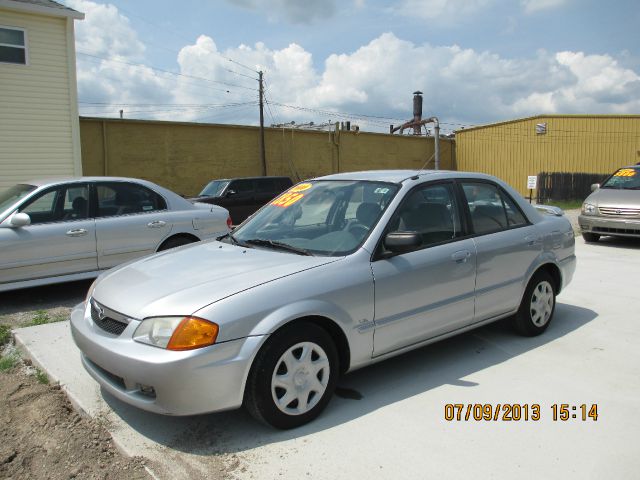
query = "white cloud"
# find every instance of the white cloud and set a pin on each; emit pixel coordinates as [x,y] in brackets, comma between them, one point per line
[459,84]
[533,6]
[293,11]
[105,31]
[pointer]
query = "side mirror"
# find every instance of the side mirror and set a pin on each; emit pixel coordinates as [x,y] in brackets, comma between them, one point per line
[230,193]
[595,186]
[20,220]
[402,242]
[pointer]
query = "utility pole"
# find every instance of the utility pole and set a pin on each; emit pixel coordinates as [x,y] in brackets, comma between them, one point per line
[262,150]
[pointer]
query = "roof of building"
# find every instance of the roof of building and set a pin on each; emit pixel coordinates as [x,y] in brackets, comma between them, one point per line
[43,7]
[542,117]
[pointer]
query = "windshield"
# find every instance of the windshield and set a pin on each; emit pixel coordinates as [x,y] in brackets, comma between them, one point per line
[214,189]
[325,217]
[624,179]
[13,194]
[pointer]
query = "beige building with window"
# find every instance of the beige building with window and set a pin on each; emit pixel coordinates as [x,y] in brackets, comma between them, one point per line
[39,128]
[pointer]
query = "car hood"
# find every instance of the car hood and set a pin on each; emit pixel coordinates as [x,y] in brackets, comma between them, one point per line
[182,281]
[605,197]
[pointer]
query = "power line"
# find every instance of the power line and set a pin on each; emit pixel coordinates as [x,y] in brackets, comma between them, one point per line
[166,71]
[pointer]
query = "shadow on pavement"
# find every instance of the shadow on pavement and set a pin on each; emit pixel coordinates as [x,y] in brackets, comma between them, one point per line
[379,385]
[59,295]
[618,242]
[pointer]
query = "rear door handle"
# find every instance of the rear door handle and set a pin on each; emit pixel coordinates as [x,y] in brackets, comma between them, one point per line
[156,224]
[77,232]
[460,256]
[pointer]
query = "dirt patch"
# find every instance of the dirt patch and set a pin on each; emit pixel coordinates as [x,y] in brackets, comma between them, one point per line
[42,436]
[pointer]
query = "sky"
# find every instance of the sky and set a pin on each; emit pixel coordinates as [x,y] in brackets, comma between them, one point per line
[476,61]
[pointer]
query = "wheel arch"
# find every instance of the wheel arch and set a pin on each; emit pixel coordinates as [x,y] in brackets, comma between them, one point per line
[554,272]
[188,236]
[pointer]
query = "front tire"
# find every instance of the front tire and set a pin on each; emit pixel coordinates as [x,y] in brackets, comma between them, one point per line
[293,376]
[537,306]
[590,237]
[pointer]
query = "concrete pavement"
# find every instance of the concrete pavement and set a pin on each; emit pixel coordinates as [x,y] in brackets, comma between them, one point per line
[589,355]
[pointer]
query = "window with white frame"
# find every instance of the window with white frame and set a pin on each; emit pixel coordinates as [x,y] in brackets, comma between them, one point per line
[13,45]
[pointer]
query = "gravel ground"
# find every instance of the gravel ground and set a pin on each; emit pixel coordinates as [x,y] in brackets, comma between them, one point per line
[42,436]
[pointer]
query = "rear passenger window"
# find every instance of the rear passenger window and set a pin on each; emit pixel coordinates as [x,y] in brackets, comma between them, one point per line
[242,186]
[127,198]
[266,185]
[491,209]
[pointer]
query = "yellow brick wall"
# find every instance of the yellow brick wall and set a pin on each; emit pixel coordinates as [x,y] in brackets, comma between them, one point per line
[184,157]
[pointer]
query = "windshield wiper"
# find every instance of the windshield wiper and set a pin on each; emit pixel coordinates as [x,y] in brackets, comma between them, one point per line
[261,242]
[233,239]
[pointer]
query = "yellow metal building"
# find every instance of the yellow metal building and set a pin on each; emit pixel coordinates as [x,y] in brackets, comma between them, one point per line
[516,149]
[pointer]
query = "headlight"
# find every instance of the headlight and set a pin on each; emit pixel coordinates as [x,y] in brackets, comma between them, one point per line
[588,209]
[176,333]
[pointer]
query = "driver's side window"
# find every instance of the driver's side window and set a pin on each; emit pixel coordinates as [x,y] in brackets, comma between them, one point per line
[63,203]
[432,212]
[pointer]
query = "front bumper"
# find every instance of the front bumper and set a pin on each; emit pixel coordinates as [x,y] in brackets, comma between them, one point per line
[618,227]
[171,383]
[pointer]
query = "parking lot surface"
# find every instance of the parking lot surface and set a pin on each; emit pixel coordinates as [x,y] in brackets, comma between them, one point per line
[388,420]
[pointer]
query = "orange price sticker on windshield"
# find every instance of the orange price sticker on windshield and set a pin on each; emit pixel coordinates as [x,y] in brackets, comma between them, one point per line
[287,199]
[300,188]
[625,172]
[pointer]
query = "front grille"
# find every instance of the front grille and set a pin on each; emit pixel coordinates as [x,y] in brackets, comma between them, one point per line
[619,212]
[107,324]
[622,231]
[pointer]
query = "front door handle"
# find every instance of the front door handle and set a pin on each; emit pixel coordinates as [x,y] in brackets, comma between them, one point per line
[460,256]
[77,232]
[156,224]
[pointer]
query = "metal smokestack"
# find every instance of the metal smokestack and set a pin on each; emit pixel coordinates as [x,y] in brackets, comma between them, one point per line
[417,106]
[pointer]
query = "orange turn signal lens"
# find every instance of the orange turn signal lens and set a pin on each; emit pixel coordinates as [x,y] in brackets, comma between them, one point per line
[193,333]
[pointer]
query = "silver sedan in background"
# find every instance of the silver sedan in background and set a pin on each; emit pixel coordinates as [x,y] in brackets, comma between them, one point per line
[333,275]
[61,230]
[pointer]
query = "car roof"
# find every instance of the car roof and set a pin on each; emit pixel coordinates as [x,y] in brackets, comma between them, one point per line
[247,178]
[41,182]
[398,176]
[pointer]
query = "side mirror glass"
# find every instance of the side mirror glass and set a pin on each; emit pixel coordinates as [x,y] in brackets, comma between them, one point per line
[230,193]
[20,220]
[595,186]
[401,242]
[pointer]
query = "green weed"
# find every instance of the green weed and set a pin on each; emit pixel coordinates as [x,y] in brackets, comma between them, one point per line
[5,334]
[8,362]
[42,377]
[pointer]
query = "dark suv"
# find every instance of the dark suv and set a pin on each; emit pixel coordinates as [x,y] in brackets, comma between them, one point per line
[242,196]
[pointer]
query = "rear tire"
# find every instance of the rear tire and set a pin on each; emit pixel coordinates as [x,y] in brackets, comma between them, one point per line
[590,237]
[174,242]
[537,306]
[293,376]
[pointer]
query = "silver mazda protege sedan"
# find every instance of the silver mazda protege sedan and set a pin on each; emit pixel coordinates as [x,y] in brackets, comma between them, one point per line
[334,274]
